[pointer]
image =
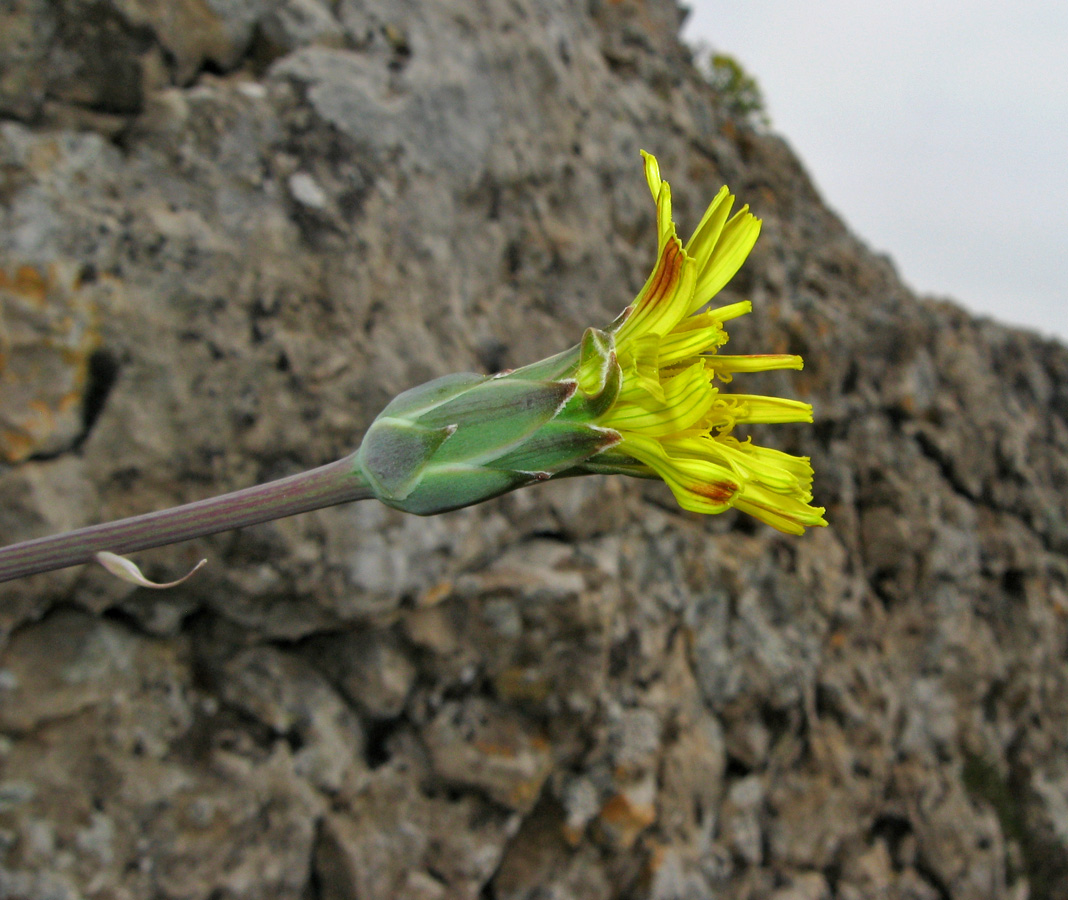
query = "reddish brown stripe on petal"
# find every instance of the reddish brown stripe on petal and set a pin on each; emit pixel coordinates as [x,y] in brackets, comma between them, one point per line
[666,277]
[716,491]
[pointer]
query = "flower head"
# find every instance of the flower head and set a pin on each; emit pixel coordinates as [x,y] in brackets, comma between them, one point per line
[670,414]
[638,398]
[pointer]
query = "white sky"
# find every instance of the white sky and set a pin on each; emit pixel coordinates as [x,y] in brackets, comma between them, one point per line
[938,131]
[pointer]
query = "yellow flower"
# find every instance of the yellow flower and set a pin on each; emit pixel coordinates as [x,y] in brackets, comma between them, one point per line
[670,415]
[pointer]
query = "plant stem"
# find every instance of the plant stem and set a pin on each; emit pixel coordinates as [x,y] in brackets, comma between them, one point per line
[336,482]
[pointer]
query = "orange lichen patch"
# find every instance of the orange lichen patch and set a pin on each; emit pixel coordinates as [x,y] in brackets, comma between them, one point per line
[515,754]
[525,794]
[27,282]
[658,854]
[69,401]
[17,444]
[497,754]
[624,817]
[523,684]
[41,409]
[44,156]
[435,594]
[572,834]
[48,332]
[495,748]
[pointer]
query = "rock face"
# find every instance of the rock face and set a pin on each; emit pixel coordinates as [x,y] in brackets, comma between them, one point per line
[230,232]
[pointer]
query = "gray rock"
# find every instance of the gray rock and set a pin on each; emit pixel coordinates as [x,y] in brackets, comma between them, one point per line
[476,747]
[294,702]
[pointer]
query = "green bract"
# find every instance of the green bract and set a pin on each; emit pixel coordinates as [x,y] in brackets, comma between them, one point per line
[466,438]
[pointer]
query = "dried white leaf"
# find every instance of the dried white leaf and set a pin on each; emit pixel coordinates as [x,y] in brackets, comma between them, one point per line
[123,568]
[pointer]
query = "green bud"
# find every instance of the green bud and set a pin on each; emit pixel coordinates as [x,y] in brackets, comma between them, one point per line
[466,438]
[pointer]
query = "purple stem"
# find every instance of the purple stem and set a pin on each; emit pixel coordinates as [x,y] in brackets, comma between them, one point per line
[336,482]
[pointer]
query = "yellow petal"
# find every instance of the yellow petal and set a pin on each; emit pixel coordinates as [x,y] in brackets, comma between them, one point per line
[769,410]
[661,191]
[687,399]
[664,300]
[759,362]
[736,240]
[652,174]
[784,513]
[730,311]
[665,225]
[691,337]
[707,232]
[647,366]
[773,469]
[798,467]
[698,485]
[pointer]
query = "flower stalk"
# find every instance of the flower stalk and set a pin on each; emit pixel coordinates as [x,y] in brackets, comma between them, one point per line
[328,485]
